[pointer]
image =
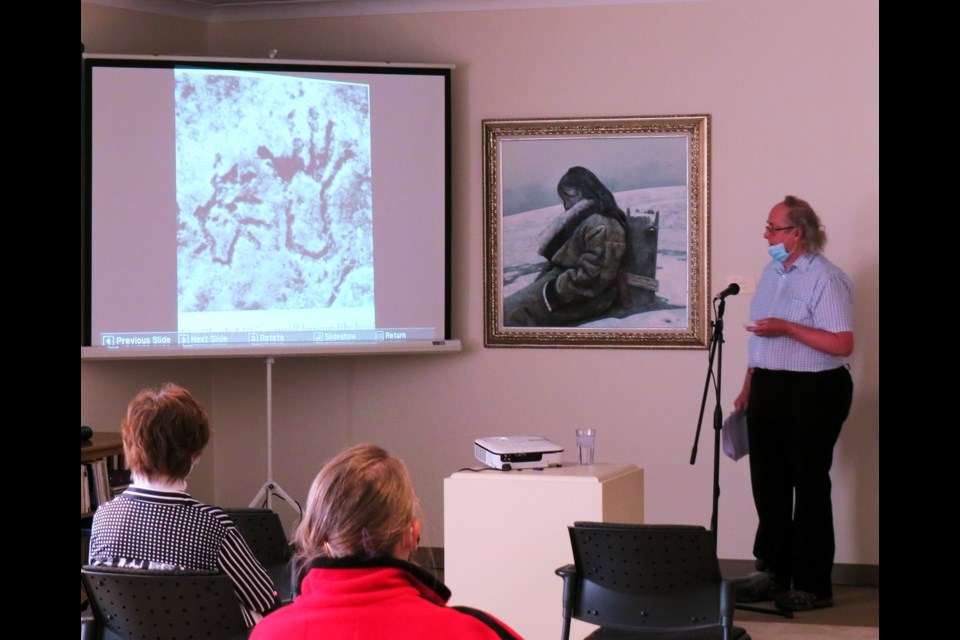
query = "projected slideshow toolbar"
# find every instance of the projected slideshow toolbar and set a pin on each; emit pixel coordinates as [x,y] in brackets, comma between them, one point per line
[179,339]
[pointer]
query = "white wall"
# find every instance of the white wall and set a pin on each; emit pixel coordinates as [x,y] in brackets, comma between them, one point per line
[793,89]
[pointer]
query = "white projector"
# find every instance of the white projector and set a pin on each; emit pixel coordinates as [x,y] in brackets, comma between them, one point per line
[517,452]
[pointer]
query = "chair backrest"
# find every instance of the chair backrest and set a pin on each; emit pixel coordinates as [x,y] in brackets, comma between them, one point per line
[657,577]
[263,531]
[136,604]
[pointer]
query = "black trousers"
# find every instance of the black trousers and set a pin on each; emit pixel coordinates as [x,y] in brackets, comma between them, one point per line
[793,422]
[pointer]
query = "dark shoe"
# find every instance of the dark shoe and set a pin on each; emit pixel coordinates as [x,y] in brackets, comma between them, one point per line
[759,590]
[796,600]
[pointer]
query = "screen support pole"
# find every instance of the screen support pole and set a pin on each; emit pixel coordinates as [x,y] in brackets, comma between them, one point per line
[271,488]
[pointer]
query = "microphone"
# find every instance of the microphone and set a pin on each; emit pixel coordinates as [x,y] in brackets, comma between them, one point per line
[732,289]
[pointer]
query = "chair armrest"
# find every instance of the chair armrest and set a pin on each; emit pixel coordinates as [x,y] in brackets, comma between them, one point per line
[566,570]
[727,602]
[569,574]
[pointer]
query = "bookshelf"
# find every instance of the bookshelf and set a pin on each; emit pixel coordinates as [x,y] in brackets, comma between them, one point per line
[97,450]
[101,445]
[101,454]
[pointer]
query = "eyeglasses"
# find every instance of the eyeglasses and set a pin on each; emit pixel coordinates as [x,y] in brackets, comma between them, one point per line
[770,229]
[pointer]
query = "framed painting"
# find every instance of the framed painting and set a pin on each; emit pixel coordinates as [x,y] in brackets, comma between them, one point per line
[597,232]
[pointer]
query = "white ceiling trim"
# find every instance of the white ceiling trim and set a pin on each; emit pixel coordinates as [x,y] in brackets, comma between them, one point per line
[243,10]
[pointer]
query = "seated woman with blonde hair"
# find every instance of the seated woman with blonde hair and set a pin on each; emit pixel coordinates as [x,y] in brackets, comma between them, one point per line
[359,529]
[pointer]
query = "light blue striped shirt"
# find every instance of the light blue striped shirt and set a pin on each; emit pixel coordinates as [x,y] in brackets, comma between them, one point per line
[813,292]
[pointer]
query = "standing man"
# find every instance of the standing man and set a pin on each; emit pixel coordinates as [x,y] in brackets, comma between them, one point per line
[796,393]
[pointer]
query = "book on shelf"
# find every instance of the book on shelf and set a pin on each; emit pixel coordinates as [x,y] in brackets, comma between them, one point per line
[98,483]
[101,479]
[118,473]
[84,489]
[117,462]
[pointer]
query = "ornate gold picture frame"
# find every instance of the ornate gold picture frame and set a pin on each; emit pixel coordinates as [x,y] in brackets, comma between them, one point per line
[597,232]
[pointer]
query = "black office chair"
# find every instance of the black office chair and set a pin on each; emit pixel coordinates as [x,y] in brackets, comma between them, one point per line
[141,604]
[647,581]
[263,531]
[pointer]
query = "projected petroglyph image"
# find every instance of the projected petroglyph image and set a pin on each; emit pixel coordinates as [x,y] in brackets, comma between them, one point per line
[274,193]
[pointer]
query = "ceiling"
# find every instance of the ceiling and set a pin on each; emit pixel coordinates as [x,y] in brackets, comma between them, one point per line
[421,4]
[237,10]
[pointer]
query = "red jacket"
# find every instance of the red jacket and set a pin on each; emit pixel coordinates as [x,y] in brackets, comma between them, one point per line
[374,599]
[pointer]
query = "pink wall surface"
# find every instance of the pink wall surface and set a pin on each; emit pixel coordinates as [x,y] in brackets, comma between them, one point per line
[792,87]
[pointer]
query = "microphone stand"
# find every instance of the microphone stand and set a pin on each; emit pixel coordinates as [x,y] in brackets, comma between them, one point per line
[716,350]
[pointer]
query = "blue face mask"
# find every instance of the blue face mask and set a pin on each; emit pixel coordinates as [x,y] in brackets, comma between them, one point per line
[778,252]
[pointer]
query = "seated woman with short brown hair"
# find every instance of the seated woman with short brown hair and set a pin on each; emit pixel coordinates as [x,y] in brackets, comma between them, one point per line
[155,523]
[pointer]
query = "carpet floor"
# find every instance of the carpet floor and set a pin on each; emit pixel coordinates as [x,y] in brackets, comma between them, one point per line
[854,616]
